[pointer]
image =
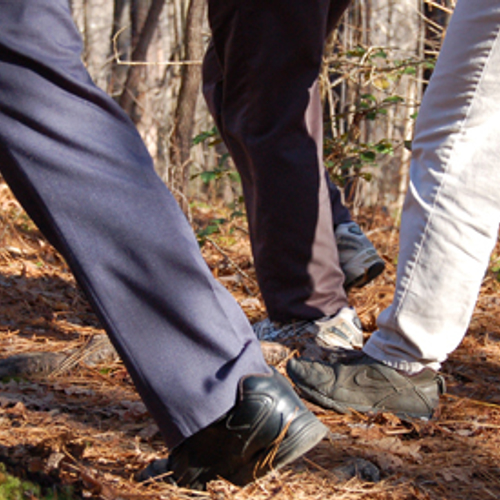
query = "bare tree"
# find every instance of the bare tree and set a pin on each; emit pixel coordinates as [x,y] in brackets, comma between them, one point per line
[119,48]
[184,117]
[369,62]
[143,36]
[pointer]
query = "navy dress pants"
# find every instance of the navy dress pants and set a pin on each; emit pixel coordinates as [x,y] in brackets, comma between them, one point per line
[261,85]
[81,171]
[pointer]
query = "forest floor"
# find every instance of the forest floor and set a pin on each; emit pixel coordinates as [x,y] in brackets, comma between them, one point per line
[87,428]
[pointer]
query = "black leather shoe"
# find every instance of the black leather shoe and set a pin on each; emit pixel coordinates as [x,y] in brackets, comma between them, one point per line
[268,427]
[358,382]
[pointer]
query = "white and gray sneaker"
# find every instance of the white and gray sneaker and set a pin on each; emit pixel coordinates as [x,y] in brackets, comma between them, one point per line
[358,258]
[342,330]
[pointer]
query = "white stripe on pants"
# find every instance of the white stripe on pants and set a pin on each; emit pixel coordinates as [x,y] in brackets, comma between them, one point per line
[452,208]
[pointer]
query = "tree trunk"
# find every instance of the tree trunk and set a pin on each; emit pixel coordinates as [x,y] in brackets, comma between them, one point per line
[119,48]
[184,116]
[143,36]
[138,14]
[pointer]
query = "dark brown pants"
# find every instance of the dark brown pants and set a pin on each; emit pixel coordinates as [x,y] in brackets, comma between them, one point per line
[260,83]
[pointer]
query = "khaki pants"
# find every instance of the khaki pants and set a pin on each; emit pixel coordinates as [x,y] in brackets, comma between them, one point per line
[452,209]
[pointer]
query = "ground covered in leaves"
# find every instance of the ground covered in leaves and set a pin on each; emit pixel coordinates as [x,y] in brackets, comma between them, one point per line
[82,431]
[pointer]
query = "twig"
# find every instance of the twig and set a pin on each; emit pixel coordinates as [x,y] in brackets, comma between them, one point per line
[475,401]
[232,263]
[120,61]
[439,6]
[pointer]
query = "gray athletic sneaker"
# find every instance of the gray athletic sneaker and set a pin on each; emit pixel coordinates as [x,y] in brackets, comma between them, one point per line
[363,384]
[358,258]
[341,330]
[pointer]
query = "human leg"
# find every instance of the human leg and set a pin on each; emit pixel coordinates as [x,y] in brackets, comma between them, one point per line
[83,174]
[450,218]
[269,107]
[292,242]
[358,258]
[213,88]
[452,208]
[80,169]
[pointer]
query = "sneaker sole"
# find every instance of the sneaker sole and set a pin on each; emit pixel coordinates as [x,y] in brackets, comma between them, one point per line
[346,409]
[370,274]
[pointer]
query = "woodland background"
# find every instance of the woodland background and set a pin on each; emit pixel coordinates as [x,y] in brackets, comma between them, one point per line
[147,54]
[75,426]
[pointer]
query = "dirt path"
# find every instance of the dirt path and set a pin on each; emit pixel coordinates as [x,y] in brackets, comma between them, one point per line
[86,426]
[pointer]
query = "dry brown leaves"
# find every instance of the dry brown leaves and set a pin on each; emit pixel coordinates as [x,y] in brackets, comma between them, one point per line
[88,427]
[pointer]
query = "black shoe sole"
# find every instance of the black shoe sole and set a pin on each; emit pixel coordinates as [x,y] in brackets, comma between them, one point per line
[371,273]
[310,431]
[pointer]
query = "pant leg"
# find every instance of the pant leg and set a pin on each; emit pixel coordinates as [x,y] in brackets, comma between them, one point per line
[270,55]
[340,213]
[452,209]
[213,84]
[80,169]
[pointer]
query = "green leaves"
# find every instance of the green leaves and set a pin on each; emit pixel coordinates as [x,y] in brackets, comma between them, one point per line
[367,156]
[384,147]
[213,133]
[13,488]
[393,99]
[223,169]
[218,225]
[213,227]
[356,52]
